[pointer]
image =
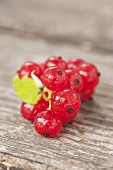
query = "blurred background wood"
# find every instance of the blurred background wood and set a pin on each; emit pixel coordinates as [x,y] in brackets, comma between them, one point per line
[78,22]
[34,30]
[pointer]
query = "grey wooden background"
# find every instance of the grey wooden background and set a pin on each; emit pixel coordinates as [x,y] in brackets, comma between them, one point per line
[34,30]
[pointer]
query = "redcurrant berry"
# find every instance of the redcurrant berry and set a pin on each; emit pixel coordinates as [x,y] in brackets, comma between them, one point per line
[42,65]
[66,102]
[54,78]
[29,111]
[85,95]
[68,119]
[75,80]
[48,123]
[90,76]
[28,67]
[55,61]
[74,63]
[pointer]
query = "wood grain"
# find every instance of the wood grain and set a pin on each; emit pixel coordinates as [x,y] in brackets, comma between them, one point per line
[86,143]
[84,23]
[34,30]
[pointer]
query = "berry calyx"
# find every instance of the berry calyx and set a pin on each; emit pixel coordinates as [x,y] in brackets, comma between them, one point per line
[27,68]
[54,78]
[55,61]
[48,123]
[90,76]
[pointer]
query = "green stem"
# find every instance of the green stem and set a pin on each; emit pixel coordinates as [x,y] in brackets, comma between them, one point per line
[49,92]
[44,96]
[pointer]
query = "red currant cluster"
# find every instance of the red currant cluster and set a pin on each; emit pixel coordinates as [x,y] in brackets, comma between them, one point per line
[63,85]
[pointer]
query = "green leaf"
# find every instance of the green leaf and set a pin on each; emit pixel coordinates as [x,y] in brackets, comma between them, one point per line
[26,89]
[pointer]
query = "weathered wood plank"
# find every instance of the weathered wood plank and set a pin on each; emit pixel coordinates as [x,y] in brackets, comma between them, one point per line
[85,23]
[15,163]
[86,143]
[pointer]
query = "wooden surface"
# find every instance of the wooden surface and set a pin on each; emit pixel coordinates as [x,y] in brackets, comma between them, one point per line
[87,142]
[83,23]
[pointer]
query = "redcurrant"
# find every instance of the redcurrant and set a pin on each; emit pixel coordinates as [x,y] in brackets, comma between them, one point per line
[68,119]
[54,78]
[48,123]
[75,80]
[55,61]
[74,63]
[85,95]
[28,67]
[66,102]
[29,111]
[42,65]
[90,76]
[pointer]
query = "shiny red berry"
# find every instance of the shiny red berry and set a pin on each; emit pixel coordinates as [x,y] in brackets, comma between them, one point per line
[29,111]
[68,119]
[55,61]
[75,80]
[90,76]
[74,63]
[42,65]
[54,78]
[48,123]
[27,68]
[86,94]
[66,102]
